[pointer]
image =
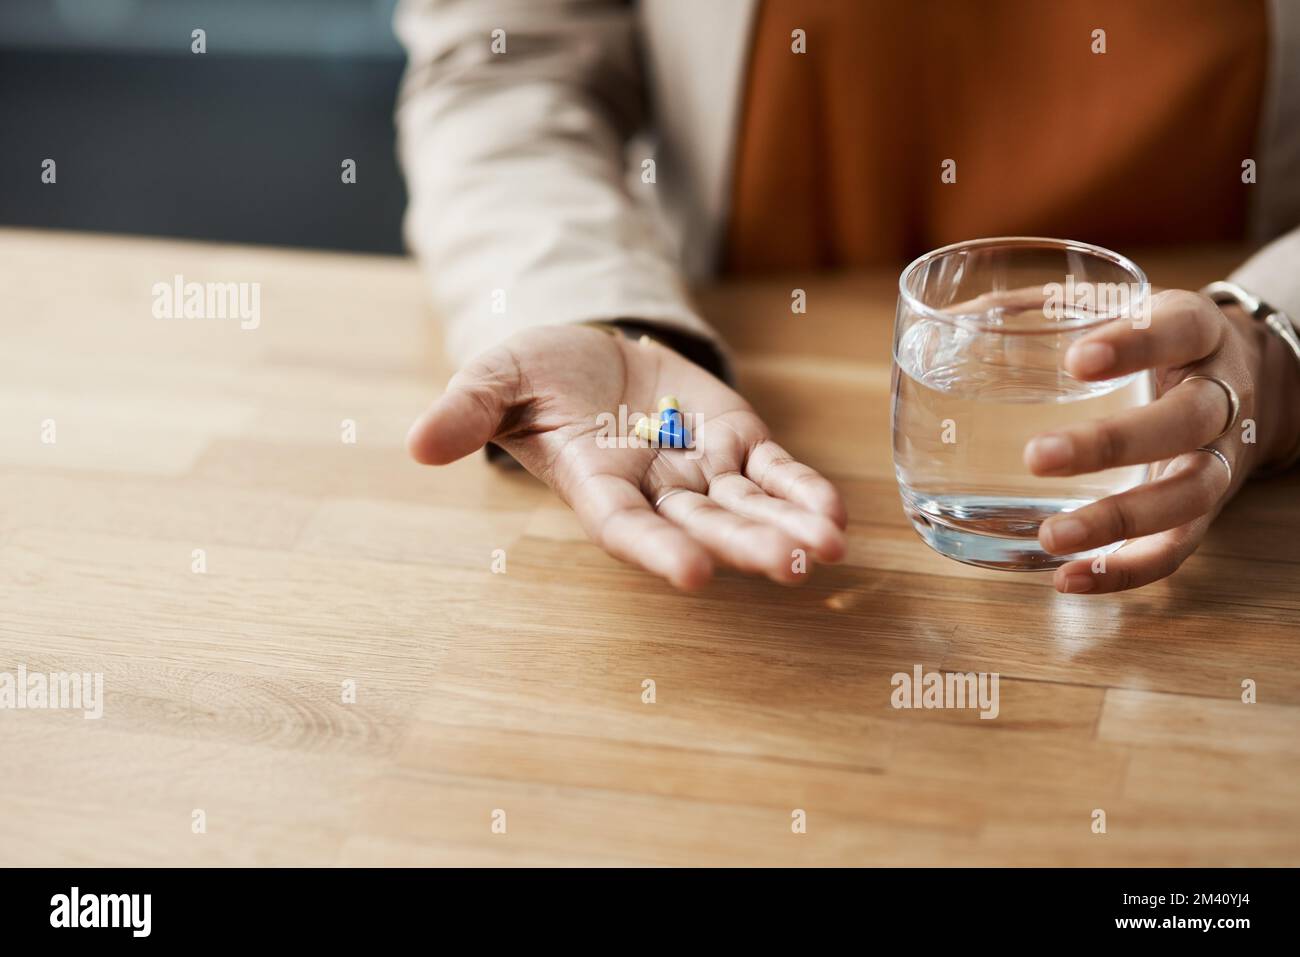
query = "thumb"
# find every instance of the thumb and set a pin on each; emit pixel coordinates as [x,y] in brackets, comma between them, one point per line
[468,415]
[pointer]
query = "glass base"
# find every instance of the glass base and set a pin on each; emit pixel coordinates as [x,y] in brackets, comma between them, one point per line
[1015,550]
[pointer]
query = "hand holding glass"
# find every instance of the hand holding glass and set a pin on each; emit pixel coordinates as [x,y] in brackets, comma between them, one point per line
[979,345]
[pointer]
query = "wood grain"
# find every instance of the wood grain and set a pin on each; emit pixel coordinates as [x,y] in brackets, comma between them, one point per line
[330,562]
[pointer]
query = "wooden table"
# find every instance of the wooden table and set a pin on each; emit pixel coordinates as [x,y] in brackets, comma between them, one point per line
[329,562]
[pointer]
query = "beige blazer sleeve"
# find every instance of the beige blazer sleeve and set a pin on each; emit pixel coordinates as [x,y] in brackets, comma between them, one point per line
[512,122]
[1273,274]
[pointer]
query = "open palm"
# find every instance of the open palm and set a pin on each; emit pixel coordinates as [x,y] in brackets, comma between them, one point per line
[547,395]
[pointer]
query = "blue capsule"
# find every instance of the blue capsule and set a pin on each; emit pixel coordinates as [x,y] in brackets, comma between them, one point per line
[673,432]
[668,428]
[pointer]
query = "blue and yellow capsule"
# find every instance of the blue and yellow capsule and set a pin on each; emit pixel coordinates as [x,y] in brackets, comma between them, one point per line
[669,427]
[672,427]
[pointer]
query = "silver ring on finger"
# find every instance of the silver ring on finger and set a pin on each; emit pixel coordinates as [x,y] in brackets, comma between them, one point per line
[1220,456]
[1234,408]
[668,494]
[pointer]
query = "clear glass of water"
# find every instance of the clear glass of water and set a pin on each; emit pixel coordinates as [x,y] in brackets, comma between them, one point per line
[979,348]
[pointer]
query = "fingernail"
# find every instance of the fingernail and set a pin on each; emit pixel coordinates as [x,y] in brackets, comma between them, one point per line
[1092,358]
[1064,533]
[1047,453]
[1077,583]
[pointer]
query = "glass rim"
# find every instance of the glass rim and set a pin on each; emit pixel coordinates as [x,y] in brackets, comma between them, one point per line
[980,320]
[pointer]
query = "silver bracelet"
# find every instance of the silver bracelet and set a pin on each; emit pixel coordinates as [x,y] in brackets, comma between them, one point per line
[1278,322]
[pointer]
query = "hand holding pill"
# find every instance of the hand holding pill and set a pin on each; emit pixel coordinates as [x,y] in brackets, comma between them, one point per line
[685,498]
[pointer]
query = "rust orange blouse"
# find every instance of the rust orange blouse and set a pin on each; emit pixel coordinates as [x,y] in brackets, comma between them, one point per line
[841,148]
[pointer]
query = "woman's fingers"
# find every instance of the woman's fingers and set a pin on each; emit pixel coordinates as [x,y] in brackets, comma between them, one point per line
[772,469]
[1191,486]
[812,530]
[1189,415]
[617,517]
[1138,563]
[1162,520]
[741,523]
[469,414]
[747,545]
[1185,327]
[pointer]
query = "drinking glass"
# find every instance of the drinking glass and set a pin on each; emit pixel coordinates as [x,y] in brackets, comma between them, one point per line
[979,344]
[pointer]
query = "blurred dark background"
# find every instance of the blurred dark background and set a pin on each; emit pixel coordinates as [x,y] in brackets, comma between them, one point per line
[242,143]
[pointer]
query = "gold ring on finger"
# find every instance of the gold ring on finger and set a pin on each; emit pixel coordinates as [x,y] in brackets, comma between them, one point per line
[1234,405]
[671,492]
[1220,456]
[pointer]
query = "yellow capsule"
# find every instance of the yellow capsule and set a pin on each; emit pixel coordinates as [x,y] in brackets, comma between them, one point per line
[668,402]
[647,429]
